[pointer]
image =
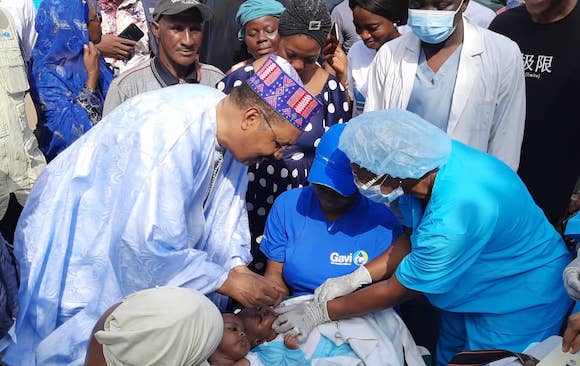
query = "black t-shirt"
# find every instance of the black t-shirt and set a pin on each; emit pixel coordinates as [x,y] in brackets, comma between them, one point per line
[550,161]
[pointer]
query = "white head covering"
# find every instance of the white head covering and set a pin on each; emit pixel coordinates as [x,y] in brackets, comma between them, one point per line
[162,326]
[395,142]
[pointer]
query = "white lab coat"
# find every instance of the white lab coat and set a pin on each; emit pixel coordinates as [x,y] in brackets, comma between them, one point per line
[488,108]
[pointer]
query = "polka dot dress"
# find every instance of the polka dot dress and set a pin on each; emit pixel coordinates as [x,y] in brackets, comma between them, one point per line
[268,179]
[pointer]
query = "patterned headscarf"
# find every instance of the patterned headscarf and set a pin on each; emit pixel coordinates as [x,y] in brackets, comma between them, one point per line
[58,72]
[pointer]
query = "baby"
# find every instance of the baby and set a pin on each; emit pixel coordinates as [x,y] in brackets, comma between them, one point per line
[252,329]
[234,345]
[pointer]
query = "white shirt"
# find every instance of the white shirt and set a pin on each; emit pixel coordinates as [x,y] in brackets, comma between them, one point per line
[23,12]
[488,107]
[360,58]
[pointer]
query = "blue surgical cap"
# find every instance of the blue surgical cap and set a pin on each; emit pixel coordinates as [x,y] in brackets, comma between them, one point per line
[254,9]
[395,142]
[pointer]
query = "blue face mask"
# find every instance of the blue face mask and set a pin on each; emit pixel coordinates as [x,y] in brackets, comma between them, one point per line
[432,26]
[374,193]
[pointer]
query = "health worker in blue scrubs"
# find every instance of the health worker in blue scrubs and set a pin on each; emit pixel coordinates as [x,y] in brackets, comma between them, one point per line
[571,339]
[328,229]
[482,251]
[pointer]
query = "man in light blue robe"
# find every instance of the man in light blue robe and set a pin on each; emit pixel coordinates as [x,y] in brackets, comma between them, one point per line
[153,195]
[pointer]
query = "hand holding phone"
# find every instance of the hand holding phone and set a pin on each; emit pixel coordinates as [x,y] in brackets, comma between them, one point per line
[113,46]
[132,32]
[333,39]
[335,57]
[334,33]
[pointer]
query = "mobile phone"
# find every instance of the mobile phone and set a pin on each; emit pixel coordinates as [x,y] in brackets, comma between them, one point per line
[333,38]
[132,32]
[334,35]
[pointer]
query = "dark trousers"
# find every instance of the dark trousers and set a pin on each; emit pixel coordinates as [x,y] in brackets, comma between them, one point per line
[423,321]
[10,219]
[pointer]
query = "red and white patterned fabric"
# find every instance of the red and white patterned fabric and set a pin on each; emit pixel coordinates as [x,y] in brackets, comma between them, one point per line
[278,84]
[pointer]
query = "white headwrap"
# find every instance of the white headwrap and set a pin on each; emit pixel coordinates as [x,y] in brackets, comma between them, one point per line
[162,326]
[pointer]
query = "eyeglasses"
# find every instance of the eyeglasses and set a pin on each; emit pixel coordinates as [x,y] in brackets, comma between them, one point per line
[371,182]
[279,146]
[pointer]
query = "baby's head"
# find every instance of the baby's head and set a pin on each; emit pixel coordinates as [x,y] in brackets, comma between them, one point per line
[234,344]
[258,325]
[247,329]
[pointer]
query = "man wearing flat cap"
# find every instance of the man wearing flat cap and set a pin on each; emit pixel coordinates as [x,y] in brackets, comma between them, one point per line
[152,196]
[178,29]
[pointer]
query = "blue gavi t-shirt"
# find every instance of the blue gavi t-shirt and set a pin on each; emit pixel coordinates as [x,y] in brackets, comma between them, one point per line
[313,249]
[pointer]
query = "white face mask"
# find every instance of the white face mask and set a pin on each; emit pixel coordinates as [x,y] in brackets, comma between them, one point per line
[432,26]
[374,192]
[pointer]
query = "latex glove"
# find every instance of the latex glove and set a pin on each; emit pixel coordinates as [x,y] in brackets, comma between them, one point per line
[572,279]
[300,319]
[343,285]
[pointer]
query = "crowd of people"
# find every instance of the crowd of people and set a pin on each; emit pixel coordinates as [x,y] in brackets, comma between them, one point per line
[291,182]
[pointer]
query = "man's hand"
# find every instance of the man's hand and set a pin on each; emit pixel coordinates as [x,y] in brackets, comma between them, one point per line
[112,46]
[300,319]
[250,289]
[343,285]
[571,339]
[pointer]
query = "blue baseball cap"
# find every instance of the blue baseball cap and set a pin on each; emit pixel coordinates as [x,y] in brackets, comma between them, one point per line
[331,167]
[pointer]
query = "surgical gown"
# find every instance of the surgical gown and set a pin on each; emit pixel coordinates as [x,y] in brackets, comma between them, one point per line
[127,207]
[485,254]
